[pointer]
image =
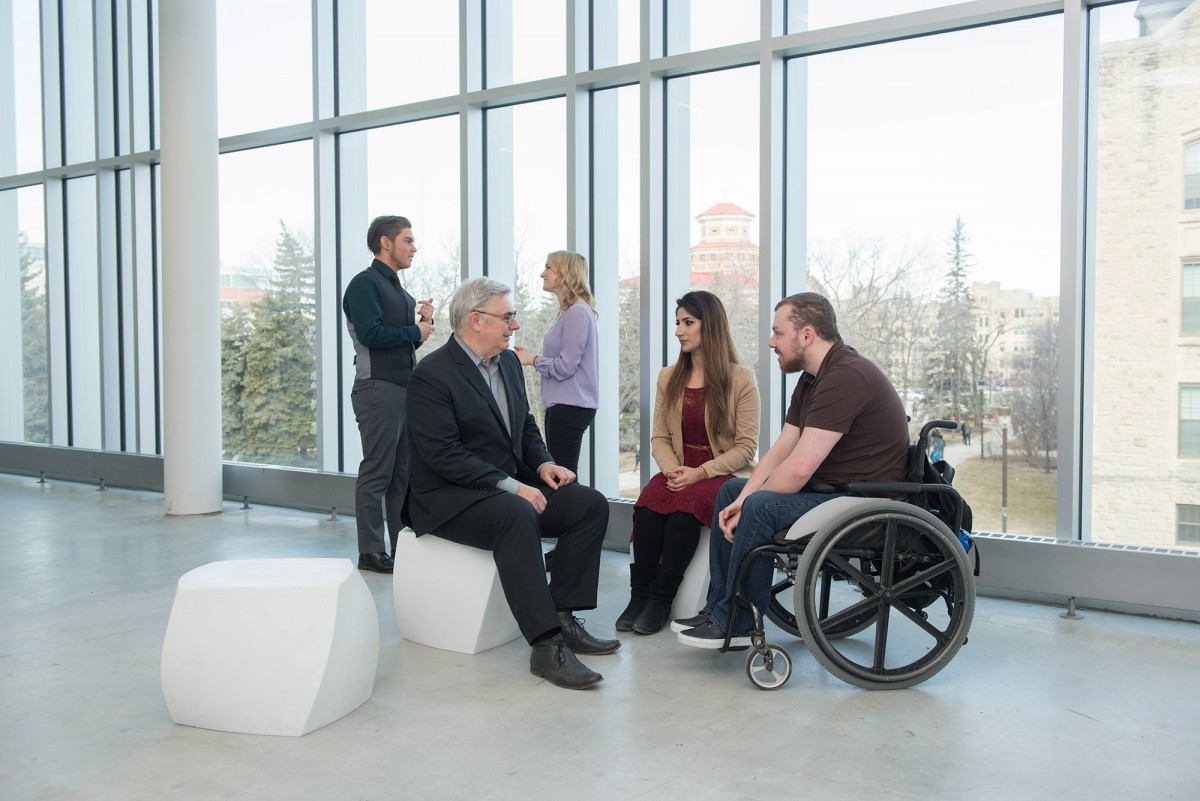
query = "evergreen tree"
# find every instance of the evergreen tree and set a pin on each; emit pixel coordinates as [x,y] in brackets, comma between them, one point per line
[629,364]
[235,336]
[949,365]
[278,400]
[34,358]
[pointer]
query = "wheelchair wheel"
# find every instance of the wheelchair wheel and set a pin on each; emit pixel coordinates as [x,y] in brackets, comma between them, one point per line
[905,582]
[770,677]
[783,596]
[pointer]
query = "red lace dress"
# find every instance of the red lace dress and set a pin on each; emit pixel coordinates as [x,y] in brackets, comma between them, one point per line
[699,499]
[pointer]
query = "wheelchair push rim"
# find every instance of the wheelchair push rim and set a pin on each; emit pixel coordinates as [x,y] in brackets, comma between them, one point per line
[902,572]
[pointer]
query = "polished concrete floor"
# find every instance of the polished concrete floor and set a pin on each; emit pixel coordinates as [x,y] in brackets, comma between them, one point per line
[1033,707]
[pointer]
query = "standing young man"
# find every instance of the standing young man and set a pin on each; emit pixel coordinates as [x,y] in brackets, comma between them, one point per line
[386,326]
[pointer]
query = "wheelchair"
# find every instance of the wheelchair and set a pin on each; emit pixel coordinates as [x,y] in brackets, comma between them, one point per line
[888,562]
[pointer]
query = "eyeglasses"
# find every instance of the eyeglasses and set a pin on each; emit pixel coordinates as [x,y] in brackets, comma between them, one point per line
[508,317]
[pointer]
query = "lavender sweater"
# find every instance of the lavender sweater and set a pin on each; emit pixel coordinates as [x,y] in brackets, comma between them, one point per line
[568,362]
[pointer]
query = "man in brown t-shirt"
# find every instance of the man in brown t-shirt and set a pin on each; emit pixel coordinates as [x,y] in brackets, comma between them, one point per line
[845,423]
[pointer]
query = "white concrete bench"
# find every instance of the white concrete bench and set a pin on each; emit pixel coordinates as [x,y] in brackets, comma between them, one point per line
[449,596]
[270,646]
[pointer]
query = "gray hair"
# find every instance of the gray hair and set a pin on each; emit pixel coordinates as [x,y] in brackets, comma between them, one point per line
[470,296]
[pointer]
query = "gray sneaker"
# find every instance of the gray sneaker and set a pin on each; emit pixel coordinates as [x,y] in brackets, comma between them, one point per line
[685,623]
[712,636]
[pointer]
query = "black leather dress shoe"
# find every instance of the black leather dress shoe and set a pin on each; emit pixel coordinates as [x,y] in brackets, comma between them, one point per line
[553,661]
[578,640]
[379,562]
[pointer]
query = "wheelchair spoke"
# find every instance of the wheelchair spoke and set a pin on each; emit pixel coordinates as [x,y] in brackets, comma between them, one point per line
[866,582]
[922,623]
[852,612]
[881,634]
[887,573]
[925,576]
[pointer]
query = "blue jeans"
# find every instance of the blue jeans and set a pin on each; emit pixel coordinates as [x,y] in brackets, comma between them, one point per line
[763,514]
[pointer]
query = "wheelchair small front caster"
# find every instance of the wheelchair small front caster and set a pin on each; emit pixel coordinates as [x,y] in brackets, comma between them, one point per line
[769,669]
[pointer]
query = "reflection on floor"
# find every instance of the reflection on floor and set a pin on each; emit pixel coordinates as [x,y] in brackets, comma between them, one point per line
[1034,706]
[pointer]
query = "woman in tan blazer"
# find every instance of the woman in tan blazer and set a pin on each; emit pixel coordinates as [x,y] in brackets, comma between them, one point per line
[705,431]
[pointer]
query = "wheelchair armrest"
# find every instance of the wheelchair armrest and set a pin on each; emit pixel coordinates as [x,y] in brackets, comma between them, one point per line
[884,487]
[897,488]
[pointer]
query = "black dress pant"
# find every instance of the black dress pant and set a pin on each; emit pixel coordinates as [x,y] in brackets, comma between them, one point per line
[565,427]
[507,525]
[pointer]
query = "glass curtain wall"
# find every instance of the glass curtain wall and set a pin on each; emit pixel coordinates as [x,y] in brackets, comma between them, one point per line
[1145,478]
[933,226]
[268,307]
[264,64]
[411,170]
[713,201]
[616,270]
[26,411]
[77,226]
[538,217]
[913,160]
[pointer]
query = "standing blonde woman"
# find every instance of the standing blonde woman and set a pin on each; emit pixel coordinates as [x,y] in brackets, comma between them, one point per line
[567,362]
[705,430]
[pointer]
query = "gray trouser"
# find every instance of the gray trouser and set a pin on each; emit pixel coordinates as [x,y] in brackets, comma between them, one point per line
[383,473]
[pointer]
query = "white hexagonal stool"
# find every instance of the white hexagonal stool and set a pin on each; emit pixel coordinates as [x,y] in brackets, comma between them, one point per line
[693,590]
[449,596]
[270,646]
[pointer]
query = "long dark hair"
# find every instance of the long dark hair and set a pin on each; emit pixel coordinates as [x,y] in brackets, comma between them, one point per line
[720,354]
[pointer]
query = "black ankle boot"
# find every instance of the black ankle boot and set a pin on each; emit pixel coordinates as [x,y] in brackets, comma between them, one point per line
[639,593]
[657,611]
[653,617]
[626,618]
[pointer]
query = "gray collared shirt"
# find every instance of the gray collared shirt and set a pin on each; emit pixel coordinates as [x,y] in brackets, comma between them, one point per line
[489,370]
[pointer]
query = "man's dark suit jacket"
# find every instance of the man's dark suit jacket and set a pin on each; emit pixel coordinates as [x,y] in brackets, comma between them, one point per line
[459,447]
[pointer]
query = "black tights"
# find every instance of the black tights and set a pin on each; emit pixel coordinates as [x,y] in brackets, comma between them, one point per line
[669,539]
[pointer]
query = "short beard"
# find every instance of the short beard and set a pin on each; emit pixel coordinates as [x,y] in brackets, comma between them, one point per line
[793,365]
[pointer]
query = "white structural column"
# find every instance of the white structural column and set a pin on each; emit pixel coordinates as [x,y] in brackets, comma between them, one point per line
[12,396]
[190,285]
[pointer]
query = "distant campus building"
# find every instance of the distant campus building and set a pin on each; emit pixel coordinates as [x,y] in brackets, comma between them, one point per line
[1011,316]
[1146,424]
[724,246]
[241,288]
